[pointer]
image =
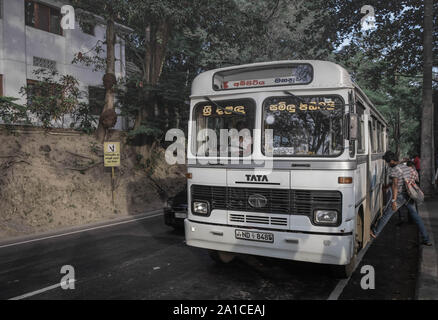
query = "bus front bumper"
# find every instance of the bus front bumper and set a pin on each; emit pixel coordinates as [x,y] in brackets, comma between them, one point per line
[316,248]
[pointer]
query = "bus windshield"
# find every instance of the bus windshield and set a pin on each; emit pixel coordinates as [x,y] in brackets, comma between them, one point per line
[225,115]
[308,126]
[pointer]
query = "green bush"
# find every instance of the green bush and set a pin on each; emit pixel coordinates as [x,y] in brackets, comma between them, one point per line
[52,96]
[144,134]
[10,112]
[83,120]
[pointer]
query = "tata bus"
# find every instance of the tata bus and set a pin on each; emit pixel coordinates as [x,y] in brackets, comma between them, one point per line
[308,185]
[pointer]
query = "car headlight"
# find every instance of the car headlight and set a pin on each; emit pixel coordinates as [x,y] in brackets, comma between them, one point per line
[200,207]
[168,203]
[326,217]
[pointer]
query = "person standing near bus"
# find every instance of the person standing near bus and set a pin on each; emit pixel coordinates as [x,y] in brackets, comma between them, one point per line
[398,172]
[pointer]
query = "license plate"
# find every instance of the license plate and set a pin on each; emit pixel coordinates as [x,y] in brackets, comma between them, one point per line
[255,236]
[181,215]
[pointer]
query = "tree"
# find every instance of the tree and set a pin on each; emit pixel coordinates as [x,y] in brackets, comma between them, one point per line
[402,43]
[154,22]
[427,130]
[111,11]
[400,104]
[178,39]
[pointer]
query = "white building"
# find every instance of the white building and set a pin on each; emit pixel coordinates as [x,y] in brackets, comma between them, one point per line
[31,38]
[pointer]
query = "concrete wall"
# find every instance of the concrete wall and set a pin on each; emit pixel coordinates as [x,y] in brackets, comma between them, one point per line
[20,43]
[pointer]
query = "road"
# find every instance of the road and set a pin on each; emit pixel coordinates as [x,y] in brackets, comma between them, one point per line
[145,259]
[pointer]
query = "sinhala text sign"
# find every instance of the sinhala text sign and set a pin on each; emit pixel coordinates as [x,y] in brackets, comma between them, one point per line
[111,154]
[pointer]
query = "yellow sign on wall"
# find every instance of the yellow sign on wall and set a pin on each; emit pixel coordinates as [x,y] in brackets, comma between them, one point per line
[111,154]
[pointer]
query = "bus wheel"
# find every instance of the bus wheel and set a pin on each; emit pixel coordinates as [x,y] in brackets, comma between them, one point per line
[221,256]
[359,234]
[346,271]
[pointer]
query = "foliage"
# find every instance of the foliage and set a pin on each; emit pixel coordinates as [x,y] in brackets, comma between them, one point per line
[397,98]
[52,96]
[388,59]
[83,120]
[205,35]
[401,106]
[396,40]
[144,134]
[92,58]
[11,112]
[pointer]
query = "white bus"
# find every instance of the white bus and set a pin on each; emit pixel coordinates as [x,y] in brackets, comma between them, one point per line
[307,191]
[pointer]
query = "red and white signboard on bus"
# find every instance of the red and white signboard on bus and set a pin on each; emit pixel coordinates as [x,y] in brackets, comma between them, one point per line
[259,83]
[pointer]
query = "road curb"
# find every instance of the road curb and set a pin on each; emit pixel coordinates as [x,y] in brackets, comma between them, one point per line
[427,280]
[73,229]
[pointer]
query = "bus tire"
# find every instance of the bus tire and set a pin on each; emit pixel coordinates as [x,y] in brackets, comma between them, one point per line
[345,271]
[359,233]
[221,257]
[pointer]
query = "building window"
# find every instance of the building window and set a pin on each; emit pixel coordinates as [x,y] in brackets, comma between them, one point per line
[43,17]
[1,84]
[1,9]
[96,100]
[35,90]
[44,63]
[32,90]
[43,90]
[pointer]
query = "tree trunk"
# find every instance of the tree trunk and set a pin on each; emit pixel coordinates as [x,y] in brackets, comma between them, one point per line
[427,154]
[157,38]
[110,70]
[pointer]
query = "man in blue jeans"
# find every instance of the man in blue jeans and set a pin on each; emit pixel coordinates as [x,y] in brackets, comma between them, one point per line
[398,172]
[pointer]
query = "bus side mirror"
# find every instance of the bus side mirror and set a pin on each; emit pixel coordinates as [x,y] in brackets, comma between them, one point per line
[353,126]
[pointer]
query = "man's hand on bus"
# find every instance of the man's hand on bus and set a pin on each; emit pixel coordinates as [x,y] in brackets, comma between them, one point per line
[394,193]
[394,205]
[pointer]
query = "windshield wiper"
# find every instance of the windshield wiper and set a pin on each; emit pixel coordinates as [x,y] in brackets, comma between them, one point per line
[212,102]
[296,97]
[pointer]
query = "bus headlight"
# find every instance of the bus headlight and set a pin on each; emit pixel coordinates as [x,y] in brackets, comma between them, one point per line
[326,217]
[200,208]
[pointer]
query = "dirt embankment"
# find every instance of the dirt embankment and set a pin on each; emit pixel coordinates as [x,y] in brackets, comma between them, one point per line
[51,180]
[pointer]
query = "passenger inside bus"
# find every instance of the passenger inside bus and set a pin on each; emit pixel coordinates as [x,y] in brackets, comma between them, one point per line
[236,117]
[245,139]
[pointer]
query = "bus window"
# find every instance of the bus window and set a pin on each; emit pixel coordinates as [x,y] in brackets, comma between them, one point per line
[379,136]
[361,129]
[374,135]
[370,130]
[312,127]
[225,115]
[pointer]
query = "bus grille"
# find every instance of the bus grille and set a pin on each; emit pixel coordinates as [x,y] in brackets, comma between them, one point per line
[280,201]
[252,219]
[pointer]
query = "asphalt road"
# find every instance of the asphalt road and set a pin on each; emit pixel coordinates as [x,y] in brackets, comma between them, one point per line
[147,260]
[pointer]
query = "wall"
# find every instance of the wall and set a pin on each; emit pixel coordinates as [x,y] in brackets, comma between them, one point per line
[20,43]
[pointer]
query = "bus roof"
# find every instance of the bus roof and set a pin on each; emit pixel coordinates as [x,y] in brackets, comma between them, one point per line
[325,75]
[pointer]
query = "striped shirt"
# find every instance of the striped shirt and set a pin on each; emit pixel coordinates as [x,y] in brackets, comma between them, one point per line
[401,172]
